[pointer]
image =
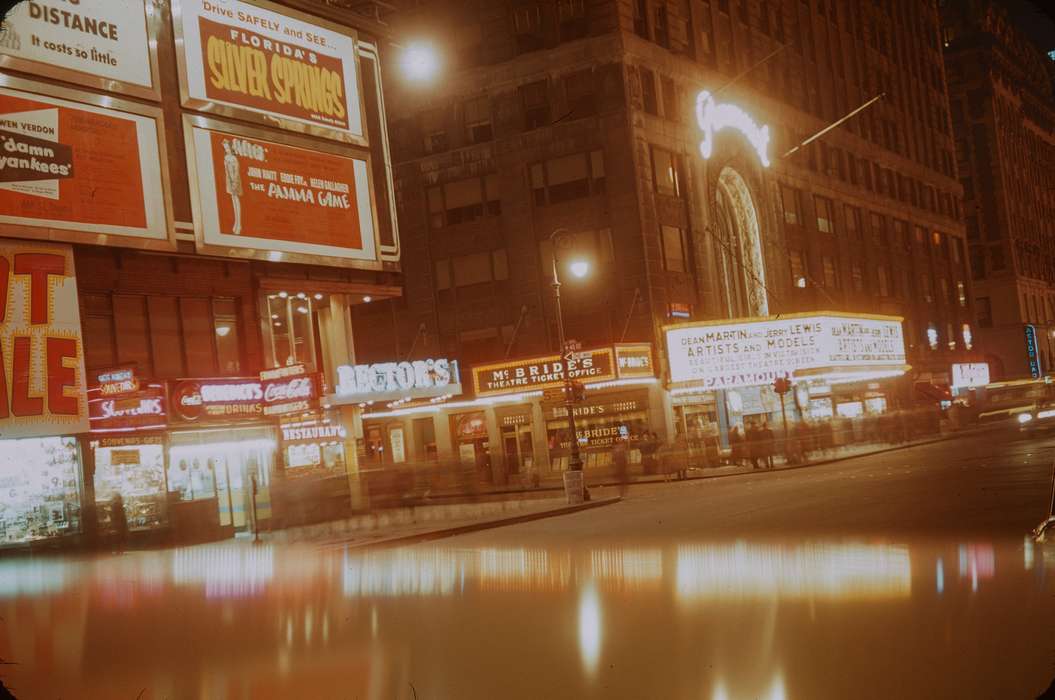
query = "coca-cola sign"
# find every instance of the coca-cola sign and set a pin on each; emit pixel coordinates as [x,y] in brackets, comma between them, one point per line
[219,400]
[288,390]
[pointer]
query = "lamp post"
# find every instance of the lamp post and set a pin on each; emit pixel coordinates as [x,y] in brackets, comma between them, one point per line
[574,487]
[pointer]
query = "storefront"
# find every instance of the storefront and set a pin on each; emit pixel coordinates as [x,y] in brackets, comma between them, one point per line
[40,489]
[128,418]
[221,447]
[601,420]
[844,369]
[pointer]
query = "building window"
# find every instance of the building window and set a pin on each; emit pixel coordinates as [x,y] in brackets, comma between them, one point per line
[534,98]
[901,235]
[883,280]
[228,342]
[662,28]
[670,100]
[857,276]
[825,218]
[950,336]
[984,312]
[434,131]
[291,322]
[641,18]
[666,172]
[831,272]
[649,100]
[977,262]
[797,262]
[961,294]
[789,199]
[478,127]
[568,177]
[853,222]
[527,25]
[943,289]
[926,287]
[571,14]
[932,336]
[921,235]
[463,201]
[579,90]
[876,225]
[476,268]
[675,249]
[97,320]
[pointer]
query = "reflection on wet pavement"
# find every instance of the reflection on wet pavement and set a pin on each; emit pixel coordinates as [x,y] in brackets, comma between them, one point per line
[713,620]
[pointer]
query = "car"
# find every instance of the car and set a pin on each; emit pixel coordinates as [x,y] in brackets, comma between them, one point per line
[1038,417]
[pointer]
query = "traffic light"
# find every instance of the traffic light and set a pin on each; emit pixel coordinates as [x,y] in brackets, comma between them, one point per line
[782,385]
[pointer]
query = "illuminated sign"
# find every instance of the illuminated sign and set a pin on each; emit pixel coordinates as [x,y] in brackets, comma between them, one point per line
[713,117]
[115,382]
[394,380]
[540,373]
[1031,352]
[750,353]
[634,361]
[970,374]
[288,390]
[216,400]
[142,409]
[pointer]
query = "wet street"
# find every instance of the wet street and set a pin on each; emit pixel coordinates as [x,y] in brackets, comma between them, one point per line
[902,575]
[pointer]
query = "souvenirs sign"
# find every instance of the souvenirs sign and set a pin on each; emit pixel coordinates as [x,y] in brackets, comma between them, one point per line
[271,62]
[260,198]
[42,384]
[749,353]
[99,43]
[73,171]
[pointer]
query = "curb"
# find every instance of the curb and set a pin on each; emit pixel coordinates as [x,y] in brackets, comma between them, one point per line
[474,527]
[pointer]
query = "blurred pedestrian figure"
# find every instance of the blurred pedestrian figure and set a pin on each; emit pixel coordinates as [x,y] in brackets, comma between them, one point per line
[119,522]
[752,441]
[736,445]
[804,442]
[619,458]
[768,444]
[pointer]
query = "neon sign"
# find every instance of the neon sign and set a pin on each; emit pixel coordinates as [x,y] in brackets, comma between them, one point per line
[713,117]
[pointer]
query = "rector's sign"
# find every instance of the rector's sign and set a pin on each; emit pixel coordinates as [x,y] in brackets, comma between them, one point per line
[267,62]
[749,353]
[42,386]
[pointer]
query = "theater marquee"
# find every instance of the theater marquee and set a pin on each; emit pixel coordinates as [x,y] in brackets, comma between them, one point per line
[267,63]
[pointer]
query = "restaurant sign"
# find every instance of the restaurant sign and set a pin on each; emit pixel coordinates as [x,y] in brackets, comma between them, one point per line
[749,353]
[539,373]
[217,400]
[288,390]
[383,381]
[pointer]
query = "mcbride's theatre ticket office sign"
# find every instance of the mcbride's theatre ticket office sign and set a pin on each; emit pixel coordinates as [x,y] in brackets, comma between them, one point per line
[623,361]
[725,355]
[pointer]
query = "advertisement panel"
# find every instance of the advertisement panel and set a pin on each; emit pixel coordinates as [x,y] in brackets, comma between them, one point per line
[98,43]
[750,353]
[541,373]
[261,198]
[142,409]
[1032,355]
[72,171]
[222,400]
[634,360]
[970,374]
[42,384]
[266,62]
[288,390]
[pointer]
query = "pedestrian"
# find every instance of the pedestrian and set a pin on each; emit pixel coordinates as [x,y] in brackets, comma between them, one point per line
[768,444]
[752,443]
[736,445]
[118,522]
[619,458]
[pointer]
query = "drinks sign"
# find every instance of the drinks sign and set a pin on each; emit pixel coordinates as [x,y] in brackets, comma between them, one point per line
[216,400]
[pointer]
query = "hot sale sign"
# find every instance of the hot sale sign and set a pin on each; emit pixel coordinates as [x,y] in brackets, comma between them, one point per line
[42,369]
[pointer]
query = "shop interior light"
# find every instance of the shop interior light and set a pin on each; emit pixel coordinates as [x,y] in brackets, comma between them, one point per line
[274,317]
[367,299]
[222,331]
[302,295]
[318,296]
[278,324]
[302,309]
[283,294]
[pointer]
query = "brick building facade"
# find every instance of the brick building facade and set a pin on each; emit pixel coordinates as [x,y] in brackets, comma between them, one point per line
[1003,111]
[580,115]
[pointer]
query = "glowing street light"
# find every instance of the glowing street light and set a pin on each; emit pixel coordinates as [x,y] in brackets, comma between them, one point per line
[580,268]
[420,62]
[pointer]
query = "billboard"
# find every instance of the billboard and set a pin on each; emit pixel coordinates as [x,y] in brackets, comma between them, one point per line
[970,374]
[81,173]
[42,385]
[723,355]
[265,62]
[540,373]
[98,43]
[257,197]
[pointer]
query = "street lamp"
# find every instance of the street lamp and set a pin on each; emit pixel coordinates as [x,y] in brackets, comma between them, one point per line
[574,488]
[420,61]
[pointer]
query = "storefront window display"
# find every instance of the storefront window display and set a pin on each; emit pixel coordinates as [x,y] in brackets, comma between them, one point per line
[470,437]
[222,464]
[39,489]
[517,447]
[599,423]
[313,445]
[133,467]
